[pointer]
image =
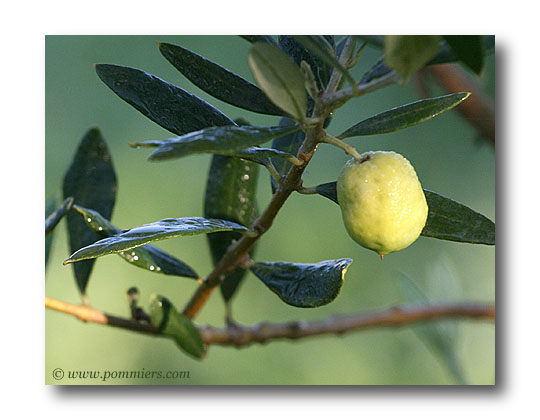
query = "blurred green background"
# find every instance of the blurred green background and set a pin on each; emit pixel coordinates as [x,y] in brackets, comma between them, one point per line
[447,155]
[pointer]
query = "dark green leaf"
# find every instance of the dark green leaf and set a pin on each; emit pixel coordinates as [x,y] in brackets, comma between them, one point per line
[447,219]
[289,143]
[171,107]
[218,81]
[259,38]
[440,341]
[405,116]
[444,55]
[322,71]
[231,195]
[379,69]
[279,77]
[259,154]
[303,285]
[318,46]
[179,327]
[453,221]
[469,49]
[408,53]
[53,219]
[142,235]
[50,206]
[91,181]
[328,190]
[218,140]
[148,257]
[374,40]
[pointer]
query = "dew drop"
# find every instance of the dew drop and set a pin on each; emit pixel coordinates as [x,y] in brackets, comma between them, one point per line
[100,228]
[151,268]
[245,177]
[89,220]
[135,258]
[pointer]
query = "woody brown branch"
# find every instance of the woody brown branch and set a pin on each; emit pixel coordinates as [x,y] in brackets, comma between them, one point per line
[237,335]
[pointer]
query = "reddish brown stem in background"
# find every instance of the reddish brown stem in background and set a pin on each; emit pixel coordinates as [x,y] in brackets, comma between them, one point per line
[478,109]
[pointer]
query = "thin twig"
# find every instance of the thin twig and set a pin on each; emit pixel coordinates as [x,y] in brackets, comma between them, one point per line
[237,335]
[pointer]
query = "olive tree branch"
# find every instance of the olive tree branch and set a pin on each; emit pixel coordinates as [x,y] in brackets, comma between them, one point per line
[239,335]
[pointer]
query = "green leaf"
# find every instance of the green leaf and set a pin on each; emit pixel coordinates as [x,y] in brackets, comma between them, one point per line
[259,38]
[453,221]
[91,181]
[218,81]
[447,219]
[298,52]
[179,327]
[157,231]
[148,257]
[218,140]
[50,206]
[278,76]
[303,285]
[289,143]
[52,220]
[469,49]
[439,340]
[444,55]
[405,116]
[318,46]
[408,53]
[231,195]
[328,190]
[171,107]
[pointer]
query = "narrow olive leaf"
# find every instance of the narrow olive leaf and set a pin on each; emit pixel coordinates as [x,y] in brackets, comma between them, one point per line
[453,221]
[217,140]
[260,153]
[447,219]
[405,116]
[374,40]
[408,53]
[469,49]
[171,107]
[440,341]
[289,143]
[179,327]
[50,206]
[303,285]
[148,257]
[444,55]
[279,77]
[157,231]
[53,219]
[259,38]
[379,69]
[317,45]
[231,189]
[91,181]
[218,81]
[298,52]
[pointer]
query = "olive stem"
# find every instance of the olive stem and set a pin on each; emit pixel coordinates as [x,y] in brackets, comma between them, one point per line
[240,335]
[350,150]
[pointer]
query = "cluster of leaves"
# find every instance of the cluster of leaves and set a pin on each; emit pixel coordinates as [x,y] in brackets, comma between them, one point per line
[282,70]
